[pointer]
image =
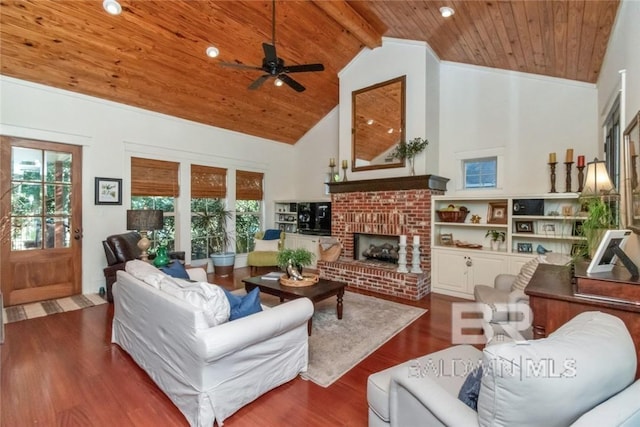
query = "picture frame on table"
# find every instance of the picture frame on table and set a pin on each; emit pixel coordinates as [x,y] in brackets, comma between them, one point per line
[525,247]
[497,213]
[108,191]
[524,226]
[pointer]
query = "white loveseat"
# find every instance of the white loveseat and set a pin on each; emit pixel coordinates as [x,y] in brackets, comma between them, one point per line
[208,372]
[581,375]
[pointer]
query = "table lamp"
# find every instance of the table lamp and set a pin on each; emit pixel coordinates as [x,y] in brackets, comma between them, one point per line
[597,183]
[142,221]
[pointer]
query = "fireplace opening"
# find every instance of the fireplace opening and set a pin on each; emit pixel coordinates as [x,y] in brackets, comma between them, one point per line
[376,247]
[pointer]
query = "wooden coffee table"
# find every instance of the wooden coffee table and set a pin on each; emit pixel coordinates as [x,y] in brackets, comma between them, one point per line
[317,292]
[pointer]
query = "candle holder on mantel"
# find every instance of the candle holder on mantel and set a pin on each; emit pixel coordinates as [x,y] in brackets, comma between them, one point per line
[344,172]
[552,165]
[567,180]
[580,178]
[333,174]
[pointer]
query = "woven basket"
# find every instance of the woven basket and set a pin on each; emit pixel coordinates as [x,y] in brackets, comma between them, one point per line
[330,254]
[308,279]
[453,216]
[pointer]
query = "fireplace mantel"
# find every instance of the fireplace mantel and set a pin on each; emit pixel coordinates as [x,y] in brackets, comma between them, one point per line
[415,182]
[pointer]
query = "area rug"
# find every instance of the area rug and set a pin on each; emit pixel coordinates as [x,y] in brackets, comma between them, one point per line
[336,346]
[44,308]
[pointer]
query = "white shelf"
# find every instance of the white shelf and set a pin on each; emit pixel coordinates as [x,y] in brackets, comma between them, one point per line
[470,224]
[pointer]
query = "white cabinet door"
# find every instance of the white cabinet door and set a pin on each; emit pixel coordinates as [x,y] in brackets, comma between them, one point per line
[449,272]
[291,241]
[310,243]
[485,268]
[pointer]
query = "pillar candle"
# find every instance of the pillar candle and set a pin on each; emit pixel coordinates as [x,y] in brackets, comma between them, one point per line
[580,161]
[403,240]
[345,164]
[552,157]
[332,162]
[569,155]
[416,240]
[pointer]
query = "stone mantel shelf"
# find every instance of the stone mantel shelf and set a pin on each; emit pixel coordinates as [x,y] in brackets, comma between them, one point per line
[416,182]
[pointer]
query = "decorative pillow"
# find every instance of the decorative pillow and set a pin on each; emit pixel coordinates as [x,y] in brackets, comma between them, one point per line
[209,298]
[146,272]
[175,269]
[526,272]
[242,306]
[271,234]
[471,388]
[266,245]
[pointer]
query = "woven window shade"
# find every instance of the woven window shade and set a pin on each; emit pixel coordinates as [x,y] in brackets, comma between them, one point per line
[208,182]
[248,185]
[154,178]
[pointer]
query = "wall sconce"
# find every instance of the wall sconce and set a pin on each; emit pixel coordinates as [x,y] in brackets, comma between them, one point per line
[597,183]
[142,221]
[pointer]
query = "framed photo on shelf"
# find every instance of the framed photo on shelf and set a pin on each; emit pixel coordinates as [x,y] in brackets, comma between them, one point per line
[108,191]
[446,239]
[524,226]
[577,229]
[525,247]
[497,213]
[549,228]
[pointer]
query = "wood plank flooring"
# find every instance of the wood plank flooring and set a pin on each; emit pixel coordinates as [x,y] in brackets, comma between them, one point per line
[62,370]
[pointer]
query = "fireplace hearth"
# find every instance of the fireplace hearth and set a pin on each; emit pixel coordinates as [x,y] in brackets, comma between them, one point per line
[376,247]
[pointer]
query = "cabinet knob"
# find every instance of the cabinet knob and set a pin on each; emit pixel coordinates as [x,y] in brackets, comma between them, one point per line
[469,263]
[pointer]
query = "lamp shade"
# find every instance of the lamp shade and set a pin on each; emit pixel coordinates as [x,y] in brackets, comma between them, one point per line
[597,181]
[144,219]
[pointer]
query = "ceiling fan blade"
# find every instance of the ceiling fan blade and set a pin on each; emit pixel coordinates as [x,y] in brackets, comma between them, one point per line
[259,81]
[269,52]
[303,68]
[292,83]
[241,66]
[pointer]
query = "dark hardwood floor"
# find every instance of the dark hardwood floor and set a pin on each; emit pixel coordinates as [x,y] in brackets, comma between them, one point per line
[62,370]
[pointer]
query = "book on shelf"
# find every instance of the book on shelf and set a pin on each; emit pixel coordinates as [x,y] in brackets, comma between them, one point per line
[274,275]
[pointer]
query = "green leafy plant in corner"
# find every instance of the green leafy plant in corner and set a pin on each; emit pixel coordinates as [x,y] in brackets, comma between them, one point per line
[299,257]
[214,221]
[599,219]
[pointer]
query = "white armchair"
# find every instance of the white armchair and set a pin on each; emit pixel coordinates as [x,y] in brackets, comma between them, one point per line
[582,374]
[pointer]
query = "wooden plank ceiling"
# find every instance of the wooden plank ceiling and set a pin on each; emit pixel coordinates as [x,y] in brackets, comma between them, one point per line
[153,55]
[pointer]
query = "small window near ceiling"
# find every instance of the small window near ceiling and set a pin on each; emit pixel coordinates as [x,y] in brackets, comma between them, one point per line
[480,173]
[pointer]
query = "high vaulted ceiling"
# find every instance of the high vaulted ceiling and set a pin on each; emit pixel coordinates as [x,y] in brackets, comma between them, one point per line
[153,55]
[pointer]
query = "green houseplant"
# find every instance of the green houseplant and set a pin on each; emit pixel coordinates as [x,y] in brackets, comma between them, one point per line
[299,258]
[409,150]
[497,237]
[599,219]
[214,221]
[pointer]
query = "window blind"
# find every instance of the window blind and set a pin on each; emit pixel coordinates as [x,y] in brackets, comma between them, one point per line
[248,185]
[208,182]
[154,178]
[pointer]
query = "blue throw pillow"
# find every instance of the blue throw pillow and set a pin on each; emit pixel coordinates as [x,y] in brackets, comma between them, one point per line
[471,388]
[175,269]
[271,234]
[242,306]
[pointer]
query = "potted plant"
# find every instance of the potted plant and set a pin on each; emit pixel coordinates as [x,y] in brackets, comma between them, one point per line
[409,150]
[497,237]
[599,219]
[214,222]
[299,258]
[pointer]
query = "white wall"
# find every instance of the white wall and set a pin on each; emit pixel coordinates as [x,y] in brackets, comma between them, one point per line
[111,133]
[623,54]
[521,117]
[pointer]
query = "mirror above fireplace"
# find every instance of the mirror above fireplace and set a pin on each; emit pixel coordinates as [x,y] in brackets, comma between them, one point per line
[378,125]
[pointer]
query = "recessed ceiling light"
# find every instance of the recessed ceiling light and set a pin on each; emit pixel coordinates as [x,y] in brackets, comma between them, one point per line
[112,7]
[370,121]
[278,82]
[446,11]
[390,130]
[212,52]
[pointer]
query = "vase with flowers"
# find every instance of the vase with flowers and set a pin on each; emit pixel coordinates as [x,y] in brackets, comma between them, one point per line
[408,150]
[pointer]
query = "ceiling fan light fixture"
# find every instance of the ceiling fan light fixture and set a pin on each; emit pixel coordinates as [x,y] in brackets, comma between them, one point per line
[112,7]
[213,52]
[446,11]
[278,82]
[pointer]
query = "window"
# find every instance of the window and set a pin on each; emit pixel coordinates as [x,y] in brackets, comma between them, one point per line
[480,172]
[154,185]
[248,208]
[208,211]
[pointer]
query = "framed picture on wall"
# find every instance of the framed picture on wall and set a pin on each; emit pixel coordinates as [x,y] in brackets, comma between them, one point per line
[108,191]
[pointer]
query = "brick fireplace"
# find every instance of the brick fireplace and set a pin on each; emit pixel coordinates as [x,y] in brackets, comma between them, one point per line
[386,207]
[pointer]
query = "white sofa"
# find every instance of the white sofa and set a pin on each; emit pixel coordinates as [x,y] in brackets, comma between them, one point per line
[581,375]
[208,372]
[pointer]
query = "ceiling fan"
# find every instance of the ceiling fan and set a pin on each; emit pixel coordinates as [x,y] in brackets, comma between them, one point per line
[274,66]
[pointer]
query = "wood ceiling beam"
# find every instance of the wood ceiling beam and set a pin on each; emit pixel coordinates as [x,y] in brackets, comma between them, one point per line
[352,21]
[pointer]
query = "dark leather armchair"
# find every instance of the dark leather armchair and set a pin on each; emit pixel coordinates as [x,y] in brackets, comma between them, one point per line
[120,248]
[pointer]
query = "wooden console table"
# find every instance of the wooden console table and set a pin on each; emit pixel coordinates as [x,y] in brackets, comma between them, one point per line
[553,300]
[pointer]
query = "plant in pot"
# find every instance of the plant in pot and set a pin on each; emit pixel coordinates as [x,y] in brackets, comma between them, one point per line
[497,237]
[409,150]
[599,218]
[296,259]
[213,221]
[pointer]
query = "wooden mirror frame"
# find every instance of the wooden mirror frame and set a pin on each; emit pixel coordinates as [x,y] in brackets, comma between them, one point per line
[632,176]
[384,104]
